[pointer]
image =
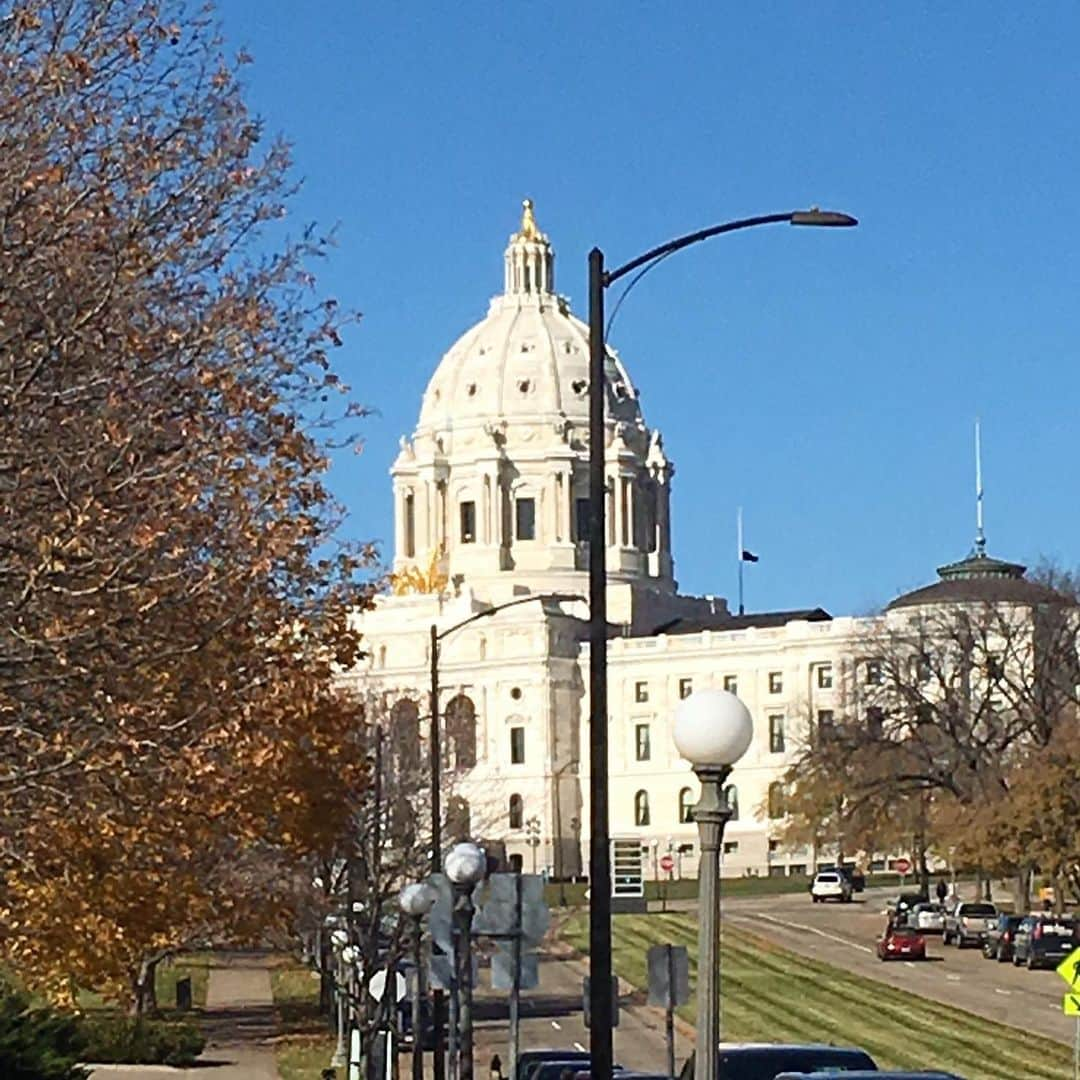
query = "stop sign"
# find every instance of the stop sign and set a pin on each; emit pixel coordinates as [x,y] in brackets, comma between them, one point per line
[667,864]
[902,866]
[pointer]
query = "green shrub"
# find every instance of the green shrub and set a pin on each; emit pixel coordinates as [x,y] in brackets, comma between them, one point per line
[134,1041]
[37,1043]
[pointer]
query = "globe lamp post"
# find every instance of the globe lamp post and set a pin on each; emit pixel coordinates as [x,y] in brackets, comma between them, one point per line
[466,865]
[339,939]
[712,731]
[417,901]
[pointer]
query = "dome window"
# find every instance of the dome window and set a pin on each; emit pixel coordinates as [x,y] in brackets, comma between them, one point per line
[579,386]
[523,385]
[525,519]
[515,693]
[619,390]
[471,389]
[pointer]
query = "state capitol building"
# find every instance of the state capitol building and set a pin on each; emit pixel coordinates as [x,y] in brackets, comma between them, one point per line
[491,504]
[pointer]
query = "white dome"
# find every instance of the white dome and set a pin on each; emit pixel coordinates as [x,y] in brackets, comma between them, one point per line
[528,360]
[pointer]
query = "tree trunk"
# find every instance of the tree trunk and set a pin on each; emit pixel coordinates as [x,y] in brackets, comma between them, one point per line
[978,883]
[144,991]
[1023,889]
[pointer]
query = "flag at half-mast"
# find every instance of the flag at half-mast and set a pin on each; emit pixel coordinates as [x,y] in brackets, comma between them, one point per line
[744,554]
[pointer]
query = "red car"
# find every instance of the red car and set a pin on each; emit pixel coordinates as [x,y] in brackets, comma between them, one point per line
[902,943]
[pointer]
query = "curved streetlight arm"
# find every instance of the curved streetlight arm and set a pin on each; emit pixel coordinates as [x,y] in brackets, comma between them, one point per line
[557,597]
[814,217]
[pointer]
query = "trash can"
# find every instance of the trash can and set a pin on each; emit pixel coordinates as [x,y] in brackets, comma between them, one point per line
[183,994]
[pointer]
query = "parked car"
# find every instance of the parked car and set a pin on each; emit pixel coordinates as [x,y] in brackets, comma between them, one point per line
[830,885]
[530,1059]
[927,918]
[855,878]
[968,923]
[1043,941]
[901,943]
[766,1061]
[998,943]
[901,907]
[872,1074]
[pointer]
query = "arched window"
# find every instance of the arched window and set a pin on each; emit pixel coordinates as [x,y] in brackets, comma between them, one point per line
[517,812]
[776,800]
[731,798]
[457,818]
[686,806]
[405,734]
[461,731]
[641,808]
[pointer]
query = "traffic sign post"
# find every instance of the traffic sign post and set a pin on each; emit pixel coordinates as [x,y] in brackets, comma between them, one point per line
[669,986]
[903,868]
[667,864]
[1069,970]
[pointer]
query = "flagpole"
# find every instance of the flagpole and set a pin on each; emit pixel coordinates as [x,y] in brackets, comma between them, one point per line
[739,555]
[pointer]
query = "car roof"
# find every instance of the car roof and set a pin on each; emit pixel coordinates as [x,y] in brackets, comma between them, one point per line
[868,1074]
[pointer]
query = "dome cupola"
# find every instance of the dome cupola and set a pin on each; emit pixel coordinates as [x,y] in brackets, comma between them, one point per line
[495,478]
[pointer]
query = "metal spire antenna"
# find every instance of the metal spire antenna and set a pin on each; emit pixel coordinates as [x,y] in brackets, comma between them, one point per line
[980,536]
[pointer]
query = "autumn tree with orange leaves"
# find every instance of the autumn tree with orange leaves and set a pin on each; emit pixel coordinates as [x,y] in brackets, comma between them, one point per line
[174,602]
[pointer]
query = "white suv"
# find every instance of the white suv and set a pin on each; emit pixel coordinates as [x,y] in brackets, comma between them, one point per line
[829,885]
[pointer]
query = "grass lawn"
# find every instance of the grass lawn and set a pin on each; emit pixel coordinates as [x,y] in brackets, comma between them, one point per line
[195,966]
[306,1045]
[772,995]
[304,1057]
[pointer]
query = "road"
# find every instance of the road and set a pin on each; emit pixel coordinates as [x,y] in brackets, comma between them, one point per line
[838,934]
[844,935]
[552,1017]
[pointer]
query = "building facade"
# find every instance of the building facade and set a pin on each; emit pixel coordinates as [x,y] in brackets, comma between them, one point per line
[491,503]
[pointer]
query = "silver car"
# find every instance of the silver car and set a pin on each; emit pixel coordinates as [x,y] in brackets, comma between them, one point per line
[927,918]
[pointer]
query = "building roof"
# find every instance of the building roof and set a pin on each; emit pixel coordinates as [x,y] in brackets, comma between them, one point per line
[694,624]
[980,579]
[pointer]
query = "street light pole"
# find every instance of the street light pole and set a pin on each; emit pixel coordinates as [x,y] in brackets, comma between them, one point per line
[465,867]
[712,730]
[600,999]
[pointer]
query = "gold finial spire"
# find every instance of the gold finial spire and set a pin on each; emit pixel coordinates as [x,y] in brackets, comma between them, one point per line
[529,229]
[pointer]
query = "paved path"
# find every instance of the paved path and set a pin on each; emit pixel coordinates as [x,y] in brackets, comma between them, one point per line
[238,1022]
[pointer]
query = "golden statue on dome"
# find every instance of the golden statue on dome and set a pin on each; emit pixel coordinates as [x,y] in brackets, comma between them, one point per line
[529,229]
[413,579]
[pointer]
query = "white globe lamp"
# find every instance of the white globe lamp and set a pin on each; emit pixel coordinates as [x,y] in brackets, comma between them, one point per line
[466,864]
[417,899]
[712,729]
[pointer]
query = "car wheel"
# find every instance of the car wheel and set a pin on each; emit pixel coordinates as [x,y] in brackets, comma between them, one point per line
[1001,957]
[1031,961]
[986,951]
[1015,959]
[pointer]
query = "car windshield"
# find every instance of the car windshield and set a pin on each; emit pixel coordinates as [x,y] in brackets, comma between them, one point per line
[827,878]
[904,931]
[978,909]
[763,1063]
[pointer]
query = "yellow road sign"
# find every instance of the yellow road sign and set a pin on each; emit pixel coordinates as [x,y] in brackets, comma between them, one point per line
[1069,970]
[1070,1005]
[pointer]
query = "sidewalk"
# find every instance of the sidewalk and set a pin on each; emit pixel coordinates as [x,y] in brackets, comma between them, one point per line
[238,1023]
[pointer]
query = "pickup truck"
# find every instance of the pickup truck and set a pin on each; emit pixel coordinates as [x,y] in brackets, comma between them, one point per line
[968,922]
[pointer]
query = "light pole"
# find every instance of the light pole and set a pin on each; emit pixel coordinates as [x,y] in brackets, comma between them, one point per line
[434,738]
[712,731]
[466,865]
[601,1004]
[435,760]
[416,901]
[532,827]
[339,939]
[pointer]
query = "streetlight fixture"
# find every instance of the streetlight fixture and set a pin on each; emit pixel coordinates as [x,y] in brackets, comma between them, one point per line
[416,901]
[600,278]
[466,865]
[712,731]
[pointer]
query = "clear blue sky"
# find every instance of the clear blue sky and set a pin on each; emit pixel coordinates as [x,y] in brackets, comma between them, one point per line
[826,381]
